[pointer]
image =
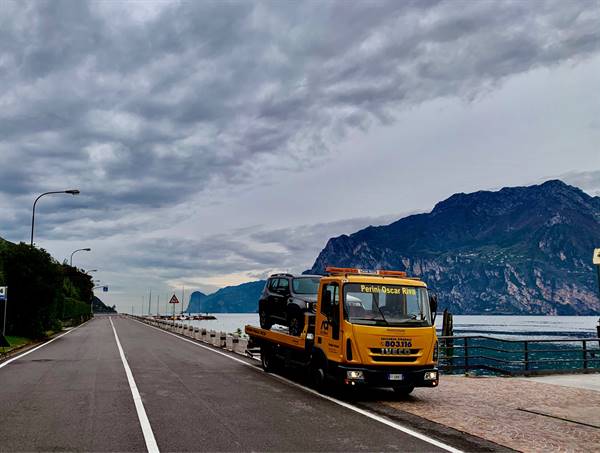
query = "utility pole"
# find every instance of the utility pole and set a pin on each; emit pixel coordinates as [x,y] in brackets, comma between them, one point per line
[149,303]
[596,262]
[182,298]
[157,305]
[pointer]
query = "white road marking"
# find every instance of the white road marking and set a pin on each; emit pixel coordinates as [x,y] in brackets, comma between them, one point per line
[351,407]
[151,444]
[3,364]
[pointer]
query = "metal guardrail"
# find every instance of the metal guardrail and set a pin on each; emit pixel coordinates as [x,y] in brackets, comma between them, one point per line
[518,357]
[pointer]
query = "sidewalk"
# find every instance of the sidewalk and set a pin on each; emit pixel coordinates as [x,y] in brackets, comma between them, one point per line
[520,413]
[582,381]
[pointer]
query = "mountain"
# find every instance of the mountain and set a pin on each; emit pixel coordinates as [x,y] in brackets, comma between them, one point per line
[231,299]
[100,307]
[195,302]
[520,250]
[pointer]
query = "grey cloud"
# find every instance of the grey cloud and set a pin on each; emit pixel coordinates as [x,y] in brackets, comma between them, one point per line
[143,109]
[589,181]
[218,254]
[242,250]
[303,243]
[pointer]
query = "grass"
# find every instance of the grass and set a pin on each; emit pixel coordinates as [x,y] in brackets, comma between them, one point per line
[16,342]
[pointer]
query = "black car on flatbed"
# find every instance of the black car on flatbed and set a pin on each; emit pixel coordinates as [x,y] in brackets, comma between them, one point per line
[285,299]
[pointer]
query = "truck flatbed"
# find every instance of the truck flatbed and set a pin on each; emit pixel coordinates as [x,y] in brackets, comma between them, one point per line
[278,337]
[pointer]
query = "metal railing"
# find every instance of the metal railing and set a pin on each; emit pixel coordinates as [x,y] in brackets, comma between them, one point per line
[518,357]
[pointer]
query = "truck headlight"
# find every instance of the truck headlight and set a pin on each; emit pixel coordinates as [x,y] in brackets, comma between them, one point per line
[355,374]
[430,376]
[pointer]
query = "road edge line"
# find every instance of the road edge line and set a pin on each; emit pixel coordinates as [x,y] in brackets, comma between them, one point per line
[149,438]
[6,362]
[351,407]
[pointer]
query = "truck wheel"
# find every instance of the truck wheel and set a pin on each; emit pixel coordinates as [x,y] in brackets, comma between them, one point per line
[268,359]
[318,377]
[263,317]
[403,390]
[296,324]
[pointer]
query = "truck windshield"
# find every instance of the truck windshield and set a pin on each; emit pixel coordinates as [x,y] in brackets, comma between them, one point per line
[306,285]
[374,304]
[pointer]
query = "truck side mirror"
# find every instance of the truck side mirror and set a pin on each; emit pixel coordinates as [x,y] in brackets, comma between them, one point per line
[433,305]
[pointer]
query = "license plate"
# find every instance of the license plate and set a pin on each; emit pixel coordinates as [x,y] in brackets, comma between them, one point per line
[395,377]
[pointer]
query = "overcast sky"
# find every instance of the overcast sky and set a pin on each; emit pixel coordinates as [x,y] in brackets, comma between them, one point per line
[215,142]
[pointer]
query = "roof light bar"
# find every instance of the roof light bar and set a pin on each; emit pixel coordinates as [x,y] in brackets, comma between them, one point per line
[391,273]
[341,270]
[354,270]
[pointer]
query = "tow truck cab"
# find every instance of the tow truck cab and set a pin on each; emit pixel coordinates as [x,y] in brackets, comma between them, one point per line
[375,328]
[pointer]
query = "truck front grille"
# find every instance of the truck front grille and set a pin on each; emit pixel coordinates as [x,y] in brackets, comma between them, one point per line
[394,351]
[393,358]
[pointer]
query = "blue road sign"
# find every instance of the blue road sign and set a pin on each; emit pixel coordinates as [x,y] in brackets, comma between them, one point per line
[3,293]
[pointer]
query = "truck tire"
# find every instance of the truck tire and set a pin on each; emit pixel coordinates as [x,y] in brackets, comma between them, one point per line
[318,374]
[403,390]
[268,359]
[265,321]
[295,323]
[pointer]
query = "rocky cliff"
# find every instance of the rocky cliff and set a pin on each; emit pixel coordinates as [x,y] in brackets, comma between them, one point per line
[231,299]
[520,250]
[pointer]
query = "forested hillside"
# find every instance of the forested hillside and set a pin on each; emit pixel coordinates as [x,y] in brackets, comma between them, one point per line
[43,294]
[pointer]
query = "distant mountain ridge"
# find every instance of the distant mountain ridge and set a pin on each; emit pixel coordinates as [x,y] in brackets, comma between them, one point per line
[231,299]
[520,250]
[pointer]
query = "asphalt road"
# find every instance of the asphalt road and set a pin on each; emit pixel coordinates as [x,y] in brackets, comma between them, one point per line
[73,395]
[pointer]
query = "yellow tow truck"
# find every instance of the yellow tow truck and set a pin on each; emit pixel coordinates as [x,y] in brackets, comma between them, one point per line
[371,328]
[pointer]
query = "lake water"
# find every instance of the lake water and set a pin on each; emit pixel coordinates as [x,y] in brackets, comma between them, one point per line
[510,327]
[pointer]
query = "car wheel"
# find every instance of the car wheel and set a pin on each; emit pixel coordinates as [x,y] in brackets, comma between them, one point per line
[263,317]
[403,390]
[296,324]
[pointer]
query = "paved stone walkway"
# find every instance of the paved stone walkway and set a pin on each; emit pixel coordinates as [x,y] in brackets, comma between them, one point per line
[584,381]
[517,413]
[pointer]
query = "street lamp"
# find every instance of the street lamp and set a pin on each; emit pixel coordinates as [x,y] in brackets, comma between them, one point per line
[70,191]
[78,250]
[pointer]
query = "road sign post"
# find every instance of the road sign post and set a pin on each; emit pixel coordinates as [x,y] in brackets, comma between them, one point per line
[174,301]
[4,298]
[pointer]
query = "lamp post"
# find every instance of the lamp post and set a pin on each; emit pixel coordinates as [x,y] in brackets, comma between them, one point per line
[78,250]
[70,191]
